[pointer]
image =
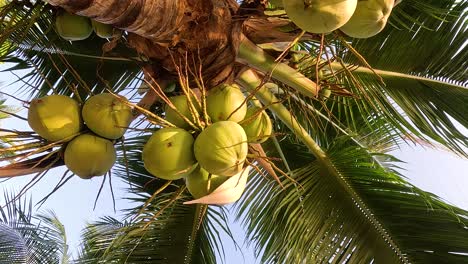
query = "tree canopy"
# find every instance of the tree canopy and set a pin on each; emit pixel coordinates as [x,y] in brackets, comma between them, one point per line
[322,189]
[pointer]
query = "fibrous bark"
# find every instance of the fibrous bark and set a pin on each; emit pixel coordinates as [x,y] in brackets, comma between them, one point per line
[170,32]
[180,33]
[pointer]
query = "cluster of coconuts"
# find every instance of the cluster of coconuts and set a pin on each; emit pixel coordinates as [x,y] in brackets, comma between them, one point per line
[73,27]
[208,158]
[91,152]
[355,18]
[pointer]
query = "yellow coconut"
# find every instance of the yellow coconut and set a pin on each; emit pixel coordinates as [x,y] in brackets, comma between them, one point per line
[181,103]
[168,154]
[325,93]
[88,155]
[200,182]
[257,125]
[107,115]
[102,30]
[319,16]
[55,117]
[369,19]
[73,27]
[221,148]
[226,102]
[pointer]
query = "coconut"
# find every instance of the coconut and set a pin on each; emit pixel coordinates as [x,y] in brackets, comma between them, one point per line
[257,125]
[107,115]
[201,183]
[226,102]
[181,103]
[73,27]
[102,30]
[55,117]
[325,93]
[88,155]
[319,16]
[369,18]
[168,154]
[221,148]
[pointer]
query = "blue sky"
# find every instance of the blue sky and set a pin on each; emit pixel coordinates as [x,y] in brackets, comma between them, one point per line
[436,171]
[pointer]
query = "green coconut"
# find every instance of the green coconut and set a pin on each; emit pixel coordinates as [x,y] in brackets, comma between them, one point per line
[201,183]
[168,154]
[369,19]
[319,16]
[325,93]
[88,155]
[226,103]
[181,103]
[221,148]
[107,115]
[257,125]
[55,117]
[73,27]
[102,30]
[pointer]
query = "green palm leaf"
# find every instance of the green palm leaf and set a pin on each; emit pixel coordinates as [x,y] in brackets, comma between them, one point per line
[61,66]
[25,238]
[434,49]
[435,108]
[424,70]
[314,220]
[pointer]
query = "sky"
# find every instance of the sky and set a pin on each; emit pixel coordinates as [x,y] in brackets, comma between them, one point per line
[436,171]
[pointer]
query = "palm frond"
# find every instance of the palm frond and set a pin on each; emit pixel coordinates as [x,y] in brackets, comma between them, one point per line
[25,239]
[424,70]
[61,66]
[432,46]
[51,220]
[420,72]
[180,234]
[420,100]
[436,109]
[315,220]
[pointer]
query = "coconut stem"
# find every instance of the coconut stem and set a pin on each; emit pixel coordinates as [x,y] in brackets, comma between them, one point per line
[381,73]
[250,81]
[255,57]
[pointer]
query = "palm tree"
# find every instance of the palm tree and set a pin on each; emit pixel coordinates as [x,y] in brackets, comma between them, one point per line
[31,238]
[338,197]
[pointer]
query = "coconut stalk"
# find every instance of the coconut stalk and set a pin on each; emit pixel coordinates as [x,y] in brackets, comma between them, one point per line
[382,73]
[251,82]
[253,56]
